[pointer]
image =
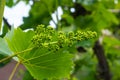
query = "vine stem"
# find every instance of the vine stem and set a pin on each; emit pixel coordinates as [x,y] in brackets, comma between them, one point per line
[2,4]
[29,49]
[9,57]
[14,70]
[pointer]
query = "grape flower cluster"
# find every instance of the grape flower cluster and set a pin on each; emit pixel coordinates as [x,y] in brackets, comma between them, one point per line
[49,38]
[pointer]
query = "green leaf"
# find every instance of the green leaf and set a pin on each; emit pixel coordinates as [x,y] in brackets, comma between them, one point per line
[18,40]
[51,5]
[68,18]
[2,4]
[27,76]
[65,2]
[44,64]
[40,13]
[112,45]
[40,62]
[2,64]
[9,3]
[5,29]
[4,49]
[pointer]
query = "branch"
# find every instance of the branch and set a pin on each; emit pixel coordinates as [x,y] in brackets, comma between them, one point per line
[103,67]
[114,10]
[57,26]
[6,22]
[9,57]
[14,70]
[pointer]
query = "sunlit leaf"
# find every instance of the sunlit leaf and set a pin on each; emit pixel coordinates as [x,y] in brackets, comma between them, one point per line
[4,49]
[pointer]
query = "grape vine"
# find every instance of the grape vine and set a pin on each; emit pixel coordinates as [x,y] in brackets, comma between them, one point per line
[43,49]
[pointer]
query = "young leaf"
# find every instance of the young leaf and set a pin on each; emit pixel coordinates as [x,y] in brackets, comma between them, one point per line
[44,64]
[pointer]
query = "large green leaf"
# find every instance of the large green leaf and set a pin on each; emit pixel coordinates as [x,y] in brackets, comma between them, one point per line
[40,62]
[45,64]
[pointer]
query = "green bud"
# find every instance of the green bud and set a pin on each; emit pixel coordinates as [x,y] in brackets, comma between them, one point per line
[94,34]
[60,33]
[70,43]
[57,47]
[48,38]
[71,34]
[61,40]
[50,30]
[40,29]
